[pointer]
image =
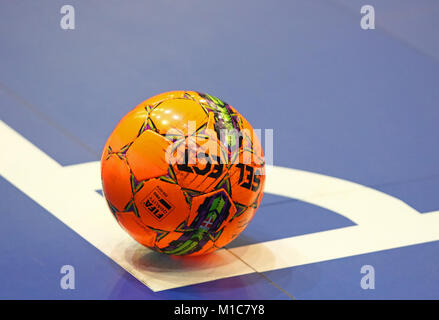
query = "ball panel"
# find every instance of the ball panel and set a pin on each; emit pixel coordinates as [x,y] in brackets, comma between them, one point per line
[225,117]
[147,156]
[116,181]
[218,203]
[134,226]
[186,115]
[161,205]
[127,129]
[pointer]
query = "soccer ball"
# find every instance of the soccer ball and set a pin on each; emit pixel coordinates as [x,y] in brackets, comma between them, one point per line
[183,173]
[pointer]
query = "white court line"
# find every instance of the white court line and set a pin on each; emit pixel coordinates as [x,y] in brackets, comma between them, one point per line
[384,222]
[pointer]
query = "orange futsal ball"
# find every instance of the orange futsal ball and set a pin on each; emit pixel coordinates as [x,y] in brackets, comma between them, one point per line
[183,173]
